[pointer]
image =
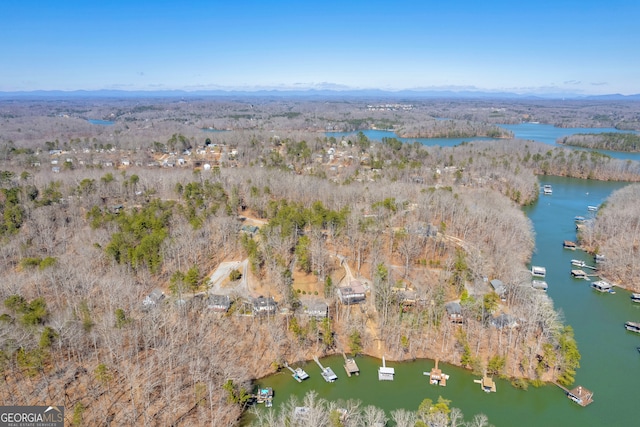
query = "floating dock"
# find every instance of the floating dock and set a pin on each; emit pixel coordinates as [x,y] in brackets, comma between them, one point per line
[298,374]
[436,376]
[579,274]
[327,373]
[538,271]
[265,395]
[635,297]
[579,395]
[567,244]
[350,366]
[384,373]
[487,384]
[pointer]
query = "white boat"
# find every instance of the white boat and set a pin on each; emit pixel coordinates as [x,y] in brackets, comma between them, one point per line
[632,326]
[538,271]
[635,297]
[579,219]
[591,208]
[577,262]
[603,286]
[547,189]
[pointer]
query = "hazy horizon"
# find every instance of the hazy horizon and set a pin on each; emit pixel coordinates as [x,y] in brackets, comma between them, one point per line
[560,47]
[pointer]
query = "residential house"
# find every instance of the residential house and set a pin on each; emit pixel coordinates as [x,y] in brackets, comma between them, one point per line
[499,288]
[262,305]
[454,311]
[352,294]
[153,299]
[315,308]
[219,303]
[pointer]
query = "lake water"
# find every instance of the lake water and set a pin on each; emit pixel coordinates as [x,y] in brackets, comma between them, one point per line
[610,364]
[547,134]
[100,122]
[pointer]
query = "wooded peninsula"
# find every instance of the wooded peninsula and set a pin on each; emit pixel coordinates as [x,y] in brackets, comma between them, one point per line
[159,255]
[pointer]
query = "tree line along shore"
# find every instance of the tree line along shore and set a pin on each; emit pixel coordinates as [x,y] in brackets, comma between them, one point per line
[86,239]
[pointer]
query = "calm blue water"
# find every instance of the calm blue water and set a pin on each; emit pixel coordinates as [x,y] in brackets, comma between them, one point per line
[100,122]
[547,134]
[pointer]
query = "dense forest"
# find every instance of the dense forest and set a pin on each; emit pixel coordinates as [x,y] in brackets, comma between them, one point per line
[96,218]
[629,142]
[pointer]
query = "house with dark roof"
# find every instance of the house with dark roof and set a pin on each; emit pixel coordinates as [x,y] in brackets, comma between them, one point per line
[352,294]
[315,308]
[219,303]
[262,305]
[153,299]
[454,311]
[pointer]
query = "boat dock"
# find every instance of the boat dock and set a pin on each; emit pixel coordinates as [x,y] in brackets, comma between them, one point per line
[384,373]
[579,274]
[436,376]
[350,366]
[538,271]
[635,297]
[265,395]
[327,373]
[580,263]
[567,244]
[487,384]
[579,395]
[298,374]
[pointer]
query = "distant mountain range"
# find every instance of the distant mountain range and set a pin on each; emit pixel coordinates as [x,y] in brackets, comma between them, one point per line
[307,93]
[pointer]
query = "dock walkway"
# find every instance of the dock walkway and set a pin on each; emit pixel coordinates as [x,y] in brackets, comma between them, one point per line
[298,374]
[327,373]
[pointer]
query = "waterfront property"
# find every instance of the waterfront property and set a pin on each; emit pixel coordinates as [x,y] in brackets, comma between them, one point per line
[153,299]
[547,189]
[603,286]
[568,244]
[385,373]
[580,395]
[632,326]
[579,219]
[538,271]
[635,297]
[577,262]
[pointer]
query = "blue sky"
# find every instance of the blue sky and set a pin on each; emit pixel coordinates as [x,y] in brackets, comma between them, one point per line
[583,47]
